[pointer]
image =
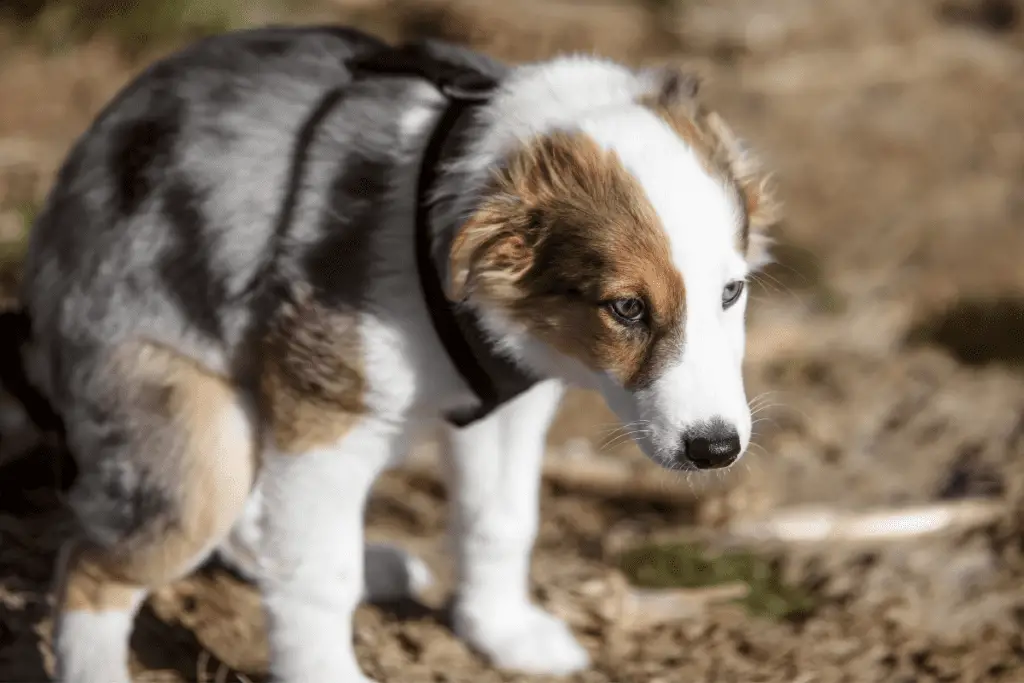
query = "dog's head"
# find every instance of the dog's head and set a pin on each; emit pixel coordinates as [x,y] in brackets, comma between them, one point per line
[612,250]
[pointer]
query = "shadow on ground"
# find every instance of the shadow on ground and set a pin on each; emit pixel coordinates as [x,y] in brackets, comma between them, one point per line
[977,332]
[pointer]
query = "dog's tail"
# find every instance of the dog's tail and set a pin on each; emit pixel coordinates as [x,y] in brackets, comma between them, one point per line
[26,417]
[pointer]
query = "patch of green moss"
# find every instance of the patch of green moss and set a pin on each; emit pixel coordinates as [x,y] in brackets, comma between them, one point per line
[690,565]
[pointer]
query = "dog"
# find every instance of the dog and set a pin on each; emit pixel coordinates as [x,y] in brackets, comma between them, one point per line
[279,253]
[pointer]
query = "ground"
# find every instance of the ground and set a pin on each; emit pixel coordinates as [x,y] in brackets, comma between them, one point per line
[887,343]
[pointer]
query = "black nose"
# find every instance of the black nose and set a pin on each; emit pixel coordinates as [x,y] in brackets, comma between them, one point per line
[713,446]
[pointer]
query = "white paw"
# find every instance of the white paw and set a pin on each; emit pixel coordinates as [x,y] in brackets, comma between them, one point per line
[392,574]
[523,638]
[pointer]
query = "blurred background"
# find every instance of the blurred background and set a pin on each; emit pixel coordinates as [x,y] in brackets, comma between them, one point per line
[874,533]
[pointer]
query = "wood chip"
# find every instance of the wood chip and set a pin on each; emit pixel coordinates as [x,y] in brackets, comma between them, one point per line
[822,524]
[636,609]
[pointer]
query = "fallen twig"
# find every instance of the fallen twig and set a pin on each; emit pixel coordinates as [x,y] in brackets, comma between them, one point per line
[636,609]
[818,524]
[642,609]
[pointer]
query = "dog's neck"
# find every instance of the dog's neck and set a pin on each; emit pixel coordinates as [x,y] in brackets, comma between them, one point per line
[467,86]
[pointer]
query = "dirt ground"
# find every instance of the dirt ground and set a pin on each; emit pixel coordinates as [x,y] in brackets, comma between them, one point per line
[887,344]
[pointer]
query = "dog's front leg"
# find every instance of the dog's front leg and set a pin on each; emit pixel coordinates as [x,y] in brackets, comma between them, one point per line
[311,552]
[494,474]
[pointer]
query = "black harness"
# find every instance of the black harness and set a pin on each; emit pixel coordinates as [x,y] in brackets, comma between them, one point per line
[493,378]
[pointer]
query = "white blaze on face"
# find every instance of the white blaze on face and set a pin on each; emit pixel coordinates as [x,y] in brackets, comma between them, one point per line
[704,381]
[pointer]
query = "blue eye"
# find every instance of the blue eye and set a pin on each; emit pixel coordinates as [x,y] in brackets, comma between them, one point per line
[731,293]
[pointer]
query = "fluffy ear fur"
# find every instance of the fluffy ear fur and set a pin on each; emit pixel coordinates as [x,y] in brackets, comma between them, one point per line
[499,242]
[494,248]
[762,206]
[757,189]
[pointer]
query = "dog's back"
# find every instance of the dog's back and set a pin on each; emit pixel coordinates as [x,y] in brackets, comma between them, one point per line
[169,210]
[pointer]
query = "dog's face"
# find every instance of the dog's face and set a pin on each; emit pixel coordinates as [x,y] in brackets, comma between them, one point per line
[616,256]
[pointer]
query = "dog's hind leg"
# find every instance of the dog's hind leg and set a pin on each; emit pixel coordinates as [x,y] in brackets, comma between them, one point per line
[168,458]
[389,572]
[495,471]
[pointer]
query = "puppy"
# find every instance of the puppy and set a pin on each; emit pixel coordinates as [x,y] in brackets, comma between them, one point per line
[278,253]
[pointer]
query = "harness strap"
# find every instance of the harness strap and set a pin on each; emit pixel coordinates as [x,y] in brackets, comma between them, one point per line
[459,331]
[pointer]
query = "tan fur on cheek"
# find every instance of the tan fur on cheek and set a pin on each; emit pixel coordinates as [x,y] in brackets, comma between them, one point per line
[312,385]
[584,333]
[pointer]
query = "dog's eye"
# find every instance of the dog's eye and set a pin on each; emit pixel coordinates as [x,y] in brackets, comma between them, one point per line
[731,293]
[627,310]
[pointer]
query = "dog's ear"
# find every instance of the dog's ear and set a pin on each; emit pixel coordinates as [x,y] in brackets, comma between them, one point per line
[498,243]
[670,85]
[673,89]
[762,206]
[492,250]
